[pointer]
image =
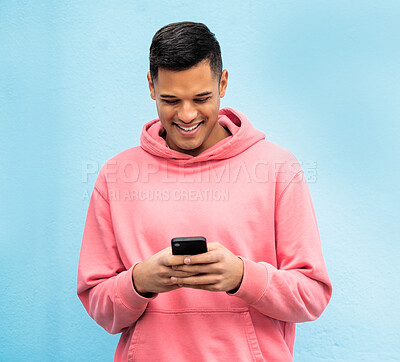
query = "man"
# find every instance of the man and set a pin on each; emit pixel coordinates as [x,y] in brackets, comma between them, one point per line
[201,171]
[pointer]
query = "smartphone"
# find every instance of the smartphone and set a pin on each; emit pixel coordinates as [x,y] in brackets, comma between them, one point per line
[189,245]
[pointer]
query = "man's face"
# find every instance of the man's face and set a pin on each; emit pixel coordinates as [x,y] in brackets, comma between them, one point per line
[188,104]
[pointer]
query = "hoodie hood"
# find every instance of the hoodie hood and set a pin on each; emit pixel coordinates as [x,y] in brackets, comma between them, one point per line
[244,135]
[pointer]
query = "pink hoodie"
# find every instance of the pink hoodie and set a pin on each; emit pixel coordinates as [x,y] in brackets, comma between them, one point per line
[244,192]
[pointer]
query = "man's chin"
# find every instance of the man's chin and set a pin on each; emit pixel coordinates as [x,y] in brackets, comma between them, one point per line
[189,147]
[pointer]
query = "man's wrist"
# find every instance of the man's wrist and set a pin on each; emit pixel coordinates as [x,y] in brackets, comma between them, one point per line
[137,286]
[241,279]
[235,289]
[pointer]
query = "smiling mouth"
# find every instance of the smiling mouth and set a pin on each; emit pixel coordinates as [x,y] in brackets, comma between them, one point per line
[188,129]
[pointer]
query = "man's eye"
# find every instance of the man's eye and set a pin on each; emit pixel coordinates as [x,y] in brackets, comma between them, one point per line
[170,102]
[202,100]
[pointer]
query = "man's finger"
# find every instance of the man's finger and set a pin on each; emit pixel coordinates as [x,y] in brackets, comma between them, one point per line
[183,274]
[209,287]
[205,258]
[198,268]
[197,280]
[169,260]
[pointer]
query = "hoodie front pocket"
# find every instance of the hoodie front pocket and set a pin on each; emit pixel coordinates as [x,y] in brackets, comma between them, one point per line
[194,336]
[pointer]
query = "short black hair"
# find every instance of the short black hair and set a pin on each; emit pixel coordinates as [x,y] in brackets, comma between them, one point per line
[180,46]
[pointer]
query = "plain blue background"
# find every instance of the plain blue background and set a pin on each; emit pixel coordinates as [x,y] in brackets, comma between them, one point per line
[320,78]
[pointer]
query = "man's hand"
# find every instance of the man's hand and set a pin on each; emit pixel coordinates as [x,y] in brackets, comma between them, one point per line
[219,270]
[154,275]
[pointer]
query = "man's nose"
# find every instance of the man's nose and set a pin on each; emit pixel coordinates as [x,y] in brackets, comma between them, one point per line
[187,112]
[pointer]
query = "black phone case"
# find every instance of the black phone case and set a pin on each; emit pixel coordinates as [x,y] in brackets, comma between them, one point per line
[189,245]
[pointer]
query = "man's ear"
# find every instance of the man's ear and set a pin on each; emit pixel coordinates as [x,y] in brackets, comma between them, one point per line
[223,83]
[151,86]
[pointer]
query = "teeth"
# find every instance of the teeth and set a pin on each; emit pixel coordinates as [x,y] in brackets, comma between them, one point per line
[190,128]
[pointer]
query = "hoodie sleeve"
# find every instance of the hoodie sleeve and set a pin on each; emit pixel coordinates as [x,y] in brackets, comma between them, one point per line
[298,289]
[105,286]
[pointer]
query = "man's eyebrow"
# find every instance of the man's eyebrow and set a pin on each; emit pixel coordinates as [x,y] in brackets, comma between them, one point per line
[167,96]
[203,94]
[197,95]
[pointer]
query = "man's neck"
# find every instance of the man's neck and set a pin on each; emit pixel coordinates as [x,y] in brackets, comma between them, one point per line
[226,131]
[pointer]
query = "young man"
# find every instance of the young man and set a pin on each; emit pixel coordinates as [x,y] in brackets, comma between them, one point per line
[201,171]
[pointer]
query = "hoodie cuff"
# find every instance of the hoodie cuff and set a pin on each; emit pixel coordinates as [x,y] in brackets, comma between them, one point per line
[127,292]
[254,282]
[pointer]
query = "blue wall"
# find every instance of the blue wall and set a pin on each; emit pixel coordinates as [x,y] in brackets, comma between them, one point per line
[321,78]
